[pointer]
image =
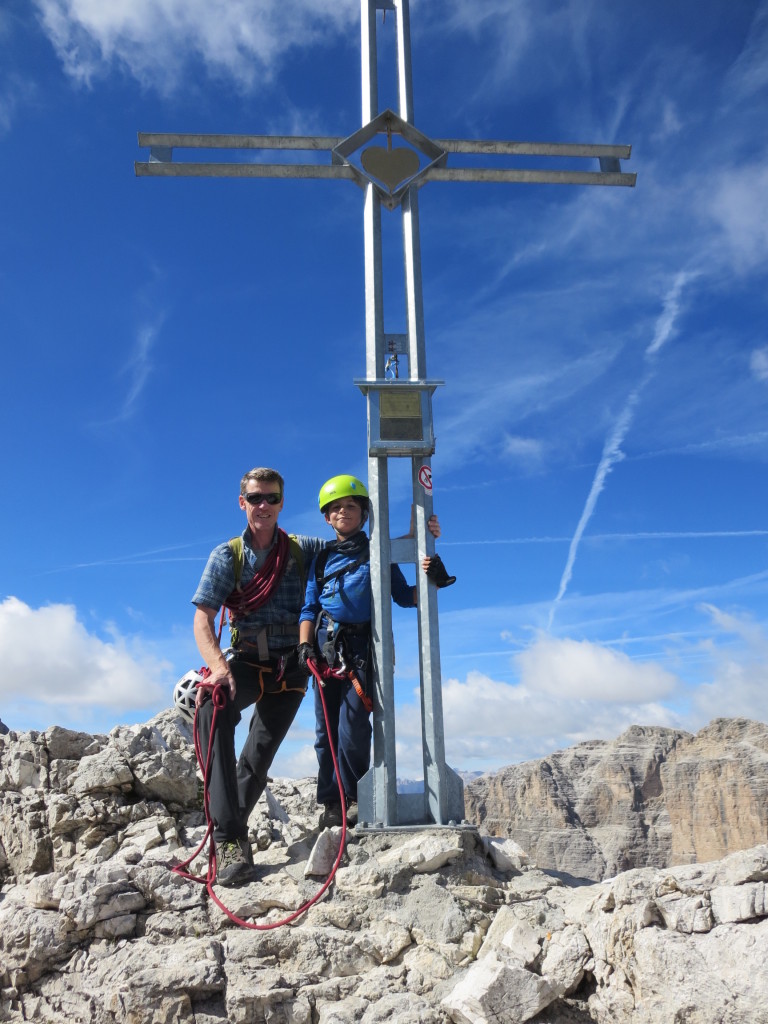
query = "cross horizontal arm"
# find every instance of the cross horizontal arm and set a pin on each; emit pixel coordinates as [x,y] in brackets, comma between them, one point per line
[175,140]
[163,169]
[162,165]
[501,148]
[171,140]
[514,174]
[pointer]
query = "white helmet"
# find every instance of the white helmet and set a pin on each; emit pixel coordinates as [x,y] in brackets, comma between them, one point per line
[184,693]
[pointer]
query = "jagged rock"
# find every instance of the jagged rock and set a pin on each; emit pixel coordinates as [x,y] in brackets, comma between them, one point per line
[436,926]
[653,797]
[506,854]
[494,990]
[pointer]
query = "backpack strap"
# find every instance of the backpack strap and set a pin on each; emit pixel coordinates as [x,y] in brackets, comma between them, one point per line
[322,559]
[236,547]
[298,557]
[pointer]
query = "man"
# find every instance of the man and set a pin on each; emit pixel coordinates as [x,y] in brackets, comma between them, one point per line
[338,597]
[259,578]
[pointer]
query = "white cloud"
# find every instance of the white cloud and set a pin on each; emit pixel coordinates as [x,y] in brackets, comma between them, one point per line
[139,367]
[154,39]
[597,694]
[670,123]
[51,661]
[580,670]
[758,363]
[294,764]
[528,451]
[15,92]
[738,204]
[739,686]
[749,72]
[481,409]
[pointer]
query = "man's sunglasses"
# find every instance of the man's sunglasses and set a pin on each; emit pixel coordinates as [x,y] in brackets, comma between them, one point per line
[256,498]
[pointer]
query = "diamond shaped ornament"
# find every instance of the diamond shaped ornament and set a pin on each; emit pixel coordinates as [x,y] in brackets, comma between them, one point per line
[392,170]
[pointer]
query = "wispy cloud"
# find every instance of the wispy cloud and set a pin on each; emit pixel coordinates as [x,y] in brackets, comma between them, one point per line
[749,72]
[156,40]
[758,363]
[139,367]
[526,451]
[15,92]
[481,407]
[137,370]
[612,452]
[737,201]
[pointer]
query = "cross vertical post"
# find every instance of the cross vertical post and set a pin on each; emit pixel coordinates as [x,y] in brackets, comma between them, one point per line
[399,410]
[442,799]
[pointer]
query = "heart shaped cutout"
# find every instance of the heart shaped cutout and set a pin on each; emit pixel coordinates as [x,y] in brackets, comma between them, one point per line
[392,166]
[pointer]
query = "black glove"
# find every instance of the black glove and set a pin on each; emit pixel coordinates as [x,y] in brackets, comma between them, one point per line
[304,652]
[438,573]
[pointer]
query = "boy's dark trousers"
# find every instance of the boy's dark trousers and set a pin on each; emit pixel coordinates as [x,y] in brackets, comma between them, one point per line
[350,728]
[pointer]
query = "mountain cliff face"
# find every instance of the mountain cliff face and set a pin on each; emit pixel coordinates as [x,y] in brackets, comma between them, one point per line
[440,926]
[653,797]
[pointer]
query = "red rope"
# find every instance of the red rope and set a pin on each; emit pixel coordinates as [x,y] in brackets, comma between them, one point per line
[219,698]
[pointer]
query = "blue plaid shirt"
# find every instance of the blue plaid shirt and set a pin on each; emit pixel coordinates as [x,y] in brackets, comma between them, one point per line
[218,582]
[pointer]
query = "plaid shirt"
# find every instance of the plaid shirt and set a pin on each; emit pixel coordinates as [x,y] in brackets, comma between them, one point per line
[218,582]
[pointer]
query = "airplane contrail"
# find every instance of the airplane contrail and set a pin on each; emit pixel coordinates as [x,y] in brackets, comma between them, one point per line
[612,452]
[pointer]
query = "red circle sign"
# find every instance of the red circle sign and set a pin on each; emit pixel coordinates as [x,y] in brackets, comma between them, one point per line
[425,478]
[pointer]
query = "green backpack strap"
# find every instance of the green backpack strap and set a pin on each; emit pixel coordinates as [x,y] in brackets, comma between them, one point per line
[298,557]
[236,546]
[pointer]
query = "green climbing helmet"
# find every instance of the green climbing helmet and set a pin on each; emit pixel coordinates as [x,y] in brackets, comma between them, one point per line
[343,486]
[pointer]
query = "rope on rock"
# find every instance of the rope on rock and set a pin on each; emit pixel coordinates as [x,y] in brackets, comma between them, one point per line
[219,698]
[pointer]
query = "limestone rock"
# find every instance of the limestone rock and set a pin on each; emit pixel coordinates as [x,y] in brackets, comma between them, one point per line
[493,991]
[651,797]
[438,926]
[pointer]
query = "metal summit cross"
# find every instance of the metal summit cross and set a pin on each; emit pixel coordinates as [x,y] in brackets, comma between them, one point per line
[399,409]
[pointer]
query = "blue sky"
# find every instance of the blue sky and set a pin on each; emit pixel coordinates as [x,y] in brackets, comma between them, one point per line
[600,471]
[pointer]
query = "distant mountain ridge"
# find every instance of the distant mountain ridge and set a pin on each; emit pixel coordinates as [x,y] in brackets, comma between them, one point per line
[654,797]
[417,785]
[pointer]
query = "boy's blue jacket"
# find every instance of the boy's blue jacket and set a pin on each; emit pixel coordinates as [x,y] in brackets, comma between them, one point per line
[348,598]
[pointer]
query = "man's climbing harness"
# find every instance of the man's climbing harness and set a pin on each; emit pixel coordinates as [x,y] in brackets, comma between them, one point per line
[219,698]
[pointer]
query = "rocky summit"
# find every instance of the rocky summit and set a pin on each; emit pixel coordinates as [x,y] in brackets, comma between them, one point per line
[418,925]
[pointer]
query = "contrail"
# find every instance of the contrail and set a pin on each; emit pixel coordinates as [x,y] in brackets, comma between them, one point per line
[594,537]
[612,452]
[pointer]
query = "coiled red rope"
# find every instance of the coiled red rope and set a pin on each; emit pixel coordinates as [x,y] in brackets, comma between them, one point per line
[219,698]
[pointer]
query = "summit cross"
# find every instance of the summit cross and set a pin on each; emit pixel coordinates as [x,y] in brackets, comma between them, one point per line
[399,409]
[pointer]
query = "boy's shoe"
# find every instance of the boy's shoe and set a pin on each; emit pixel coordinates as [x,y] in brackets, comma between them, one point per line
[331,816]
[234,862]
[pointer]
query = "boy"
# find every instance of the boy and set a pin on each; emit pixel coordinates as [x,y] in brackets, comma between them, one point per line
[338,598]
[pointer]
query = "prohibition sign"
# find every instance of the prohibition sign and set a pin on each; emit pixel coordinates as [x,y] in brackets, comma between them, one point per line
[425,478]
